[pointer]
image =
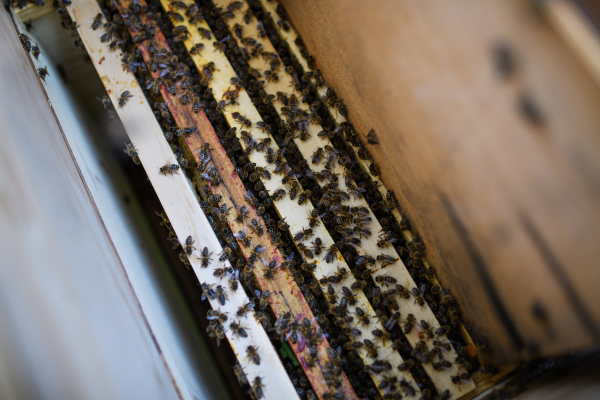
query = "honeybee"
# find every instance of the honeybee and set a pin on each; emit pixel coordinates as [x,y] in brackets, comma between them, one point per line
[303,234]
[409,323]
[314,218]
[208,291]
[132,152]
[124,97]
[386,260]
[371,348]
[35,51]
[317,246]
[330,253]
[406,366]
[372,138]
[363,318]
[237,329]
[43,73]
[169,169]
[216,315]
[225,253]
[385,280]
[97,21]
[221,295]
[304,196]
[257,387]
[189,248]
[253,354]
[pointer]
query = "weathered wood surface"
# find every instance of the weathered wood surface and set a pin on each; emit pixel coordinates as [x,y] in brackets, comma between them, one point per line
[70,324]
[179,201]
[508,209]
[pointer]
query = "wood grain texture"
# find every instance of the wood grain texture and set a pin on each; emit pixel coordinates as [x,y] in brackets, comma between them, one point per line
[178,200]
[70,325]
[508,209]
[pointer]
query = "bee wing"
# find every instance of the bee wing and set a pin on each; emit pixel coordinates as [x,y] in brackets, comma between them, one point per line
[260,249]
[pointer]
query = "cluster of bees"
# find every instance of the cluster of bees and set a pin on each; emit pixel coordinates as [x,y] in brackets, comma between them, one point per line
[301,183]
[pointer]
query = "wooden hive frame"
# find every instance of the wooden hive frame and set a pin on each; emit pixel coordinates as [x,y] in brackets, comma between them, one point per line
[286,296]
[178,199]
[369,245]
[220,84]
[291,37]
[194,143]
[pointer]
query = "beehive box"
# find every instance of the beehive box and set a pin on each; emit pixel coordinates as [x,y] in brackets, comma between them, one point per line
[352,239]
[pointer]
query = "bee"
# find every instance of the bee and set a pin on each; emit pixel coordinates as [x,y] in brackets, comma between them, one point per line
[418,297]
[402,291]
[35,51]
[386,260]
[282,225]
[304,196]
[278,194]
[169,169]
[442,365]
[317,155]
[410,322]
[374,169]
[406,366]
[221,295]
[256,227]
[363,318]
[43,73]
[189,248]
[381,335]
[385,241]
[371,348]
[197,49]
[25,41]
[242,310]
[242,214]
[314,218]
[317,246]
[372,138]
[225,254]
[206,257]
[132,152]
[385,280]
[257,386]
[97,21]
[428,329]
[208,291]
[237,329]
[330,253]
[253,354]
[302,235]
[124,97]
[264,298]
[216,315]
[73,29]
[184,260]
[358,285]
[347,293]
[261,29]
[306,250]
[239,373]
